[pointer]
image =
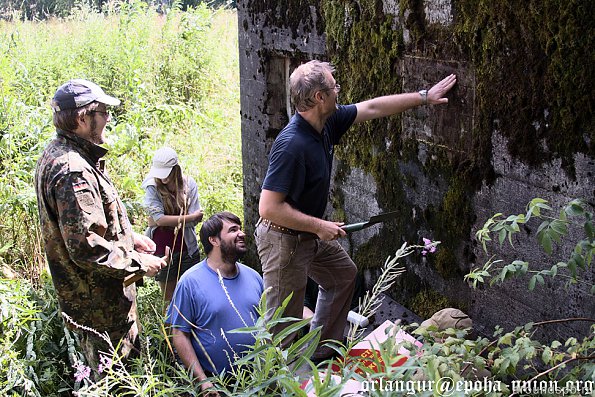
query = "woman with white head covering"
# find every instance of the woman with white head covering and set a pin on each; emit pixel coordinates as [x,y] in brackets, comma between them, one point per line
[171,200]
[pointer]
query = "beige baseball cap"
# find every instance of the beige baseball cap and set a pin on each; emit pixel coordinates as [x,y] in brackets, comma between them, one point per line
[163,161]
[448,318]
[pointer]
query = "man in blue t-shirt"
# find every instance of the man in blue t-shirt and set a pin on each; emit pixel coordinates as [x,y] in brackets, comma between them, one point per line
[293,240]
[215,296]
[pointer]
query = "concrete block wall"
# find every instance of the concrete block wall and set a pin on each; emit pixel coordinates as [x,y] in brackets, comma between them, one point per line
[391,164]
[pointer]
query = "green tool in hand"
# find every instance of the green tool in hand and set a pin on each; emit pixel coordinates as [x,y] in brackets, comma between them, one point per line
[354,227]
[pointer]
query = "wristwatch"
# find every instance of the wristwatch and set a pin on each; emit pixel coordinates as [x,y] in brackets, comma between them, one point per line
[424,97]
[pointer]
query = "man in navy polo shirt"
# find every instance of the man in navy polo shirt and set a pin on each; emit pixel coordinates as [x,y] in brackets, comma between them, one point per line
[293,240]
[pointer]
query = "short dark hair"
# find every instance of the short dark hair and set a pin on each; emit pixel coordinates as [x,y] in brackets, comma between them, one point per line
[213,226]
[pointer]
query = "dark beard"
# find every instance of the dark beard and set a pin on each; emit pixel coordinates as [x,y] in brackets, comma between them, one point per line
[230,253]
[95,135]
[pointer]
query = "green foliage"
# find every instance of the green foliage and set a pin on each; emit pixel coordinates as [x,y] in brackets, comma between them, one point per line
[552,229]
[177,77]
[268,368]
[35,347]
[178,86]
[44,9]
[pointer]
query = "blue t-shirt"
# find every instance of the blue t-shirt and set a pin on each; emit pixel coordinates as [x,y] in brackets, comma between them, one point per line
[300,160]
[200,298]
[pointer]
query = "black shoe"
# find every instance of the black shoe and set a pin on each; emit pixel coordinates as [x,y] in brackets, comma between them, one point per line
[318,360]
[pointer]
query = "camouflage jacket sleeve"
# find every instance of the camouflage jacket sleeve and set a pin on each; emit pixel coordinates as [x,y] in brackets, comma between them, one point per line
[94,225]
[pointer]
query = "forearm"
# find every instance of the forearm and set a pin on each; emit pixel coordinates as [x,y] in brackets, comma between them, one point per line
[287,216]
[392,104]
[175,220]
[109,258]
[183,345]
[386,105]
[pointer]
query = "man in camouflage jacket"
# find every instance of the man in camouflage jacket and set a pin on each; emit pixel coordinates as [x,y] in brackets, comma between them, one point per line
[89,243]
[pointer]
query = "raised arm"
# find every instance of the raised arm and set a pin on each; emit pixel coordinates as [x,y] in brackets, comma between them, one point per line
[392,104]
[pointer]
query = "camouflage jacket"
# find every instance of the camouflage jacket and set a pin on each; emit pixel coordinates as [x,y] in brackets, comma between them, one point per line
[88,238]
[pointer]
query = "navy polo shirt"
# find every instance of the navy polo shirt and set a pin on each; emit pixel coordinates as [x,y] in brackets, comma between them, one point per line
[300,160]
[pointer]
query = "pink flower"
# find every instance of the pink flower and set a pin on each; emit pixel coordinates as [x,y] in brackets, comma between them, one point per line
[428,246]
[82,371]
[105,364]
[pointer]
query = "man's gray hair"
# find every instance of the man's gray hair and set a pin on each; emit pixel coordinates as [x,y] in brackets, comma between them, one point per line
[305,80]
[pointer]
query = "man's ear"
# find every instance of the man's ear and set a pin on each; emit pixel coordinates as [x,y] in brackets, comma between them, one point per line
[319,96]
[81,121]
[214,241]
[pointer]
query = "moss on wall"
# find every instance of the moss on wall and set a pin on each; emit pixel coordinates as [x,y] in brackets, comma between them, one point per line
[533,70]
[533,76]
[288,13]
[366,46]
[427,302]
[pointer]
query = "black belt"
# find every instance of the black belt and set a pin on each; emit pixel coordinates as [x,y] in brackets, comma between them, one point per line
[303,236]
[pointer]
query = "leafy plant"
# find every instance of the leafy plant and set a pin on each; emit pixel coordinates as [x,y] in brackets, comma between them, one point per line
[552,229]
[164,68]
[122,49]
[35,347]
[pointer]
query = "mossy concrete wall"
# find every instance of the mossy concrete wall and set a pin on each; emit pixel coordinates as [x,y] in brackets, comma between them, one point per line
[519,124]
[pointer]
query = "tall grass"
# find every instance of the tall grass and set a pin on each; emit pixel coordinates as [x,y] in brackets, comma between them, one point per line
[177,77]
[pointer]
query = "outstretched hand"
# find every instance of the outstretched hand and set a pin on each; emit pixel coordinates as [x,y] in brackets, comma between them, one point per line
[437,92]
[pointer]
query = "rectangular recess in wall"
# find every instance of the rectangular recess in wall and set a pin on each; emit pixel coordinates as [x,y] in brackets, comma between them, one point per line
[277,102]
[447,126]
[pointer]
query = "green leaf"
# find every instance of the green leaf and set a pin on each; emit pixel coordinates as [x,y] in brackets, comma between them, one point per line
[291,329]
[554,270]
[521,266]
[499,226]
[534,206]
[502,236]
[503,273]
[511,268]
[532,283]
[544,206]
[554,236]
[563,216]
[590,230]
[580,261]
[546,243]
[542,227]
[574,208]
[572,267]
[505,340]
[559,227]
[546,356]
